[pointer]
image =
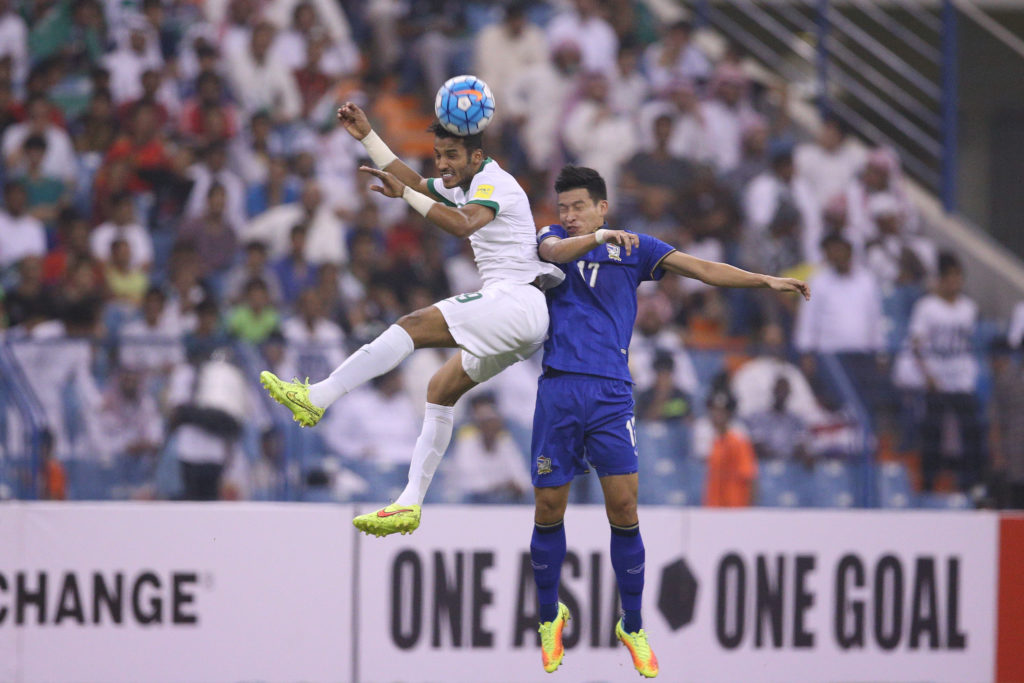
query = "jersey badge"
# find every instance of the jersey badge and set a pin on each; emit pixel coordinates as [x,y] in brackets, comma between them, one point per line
[543,464]
[484,192]
[614,252]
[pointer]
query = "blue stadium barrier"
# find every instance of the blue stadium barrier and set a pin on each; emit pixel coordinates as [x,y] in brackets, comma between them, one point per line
[834,485]
[943,501]
[893,485]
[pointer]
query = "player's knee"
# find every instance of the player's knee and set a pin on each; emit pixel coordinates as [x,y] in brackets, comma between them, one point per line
[622,511]
[412,322]
[548,509]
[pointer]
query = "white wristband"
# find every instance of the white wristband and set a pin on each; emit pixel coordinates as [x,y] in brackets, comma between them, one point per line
[420,202]
[601,235]
[378,150]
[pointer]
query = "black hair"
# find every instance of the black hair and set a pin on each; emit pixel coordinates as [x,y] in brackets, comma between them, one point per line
[254,284]
[949,261]
[663,360]
[573,177]
[470,142]
[35,141]
[485,398]
[831,119]
[835,238]
[207,305]
[155,290]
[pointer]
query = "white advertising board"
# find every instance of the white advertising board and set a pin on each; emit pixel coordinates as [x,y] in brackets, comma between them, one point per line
[174,592]
[730,596]
[225,592]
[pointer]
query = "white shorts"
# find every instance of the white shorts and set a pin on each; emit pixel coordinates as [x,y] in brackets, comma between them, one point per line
[496,327]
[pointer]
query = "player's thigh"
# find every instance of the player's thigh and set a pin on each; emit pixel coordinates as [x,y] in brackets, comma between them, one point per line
[481,369]
[556,447]
[610,437]
[428,328]
[620,496]
[449,383]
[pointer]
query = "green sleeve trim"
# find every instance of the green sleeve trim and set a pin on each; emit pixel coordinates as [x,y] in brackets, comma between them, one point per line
[441,197]
[493,206]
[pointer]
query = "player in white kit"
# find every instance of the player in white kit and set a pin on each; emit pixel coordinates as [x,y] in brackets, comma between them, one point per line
[505,322]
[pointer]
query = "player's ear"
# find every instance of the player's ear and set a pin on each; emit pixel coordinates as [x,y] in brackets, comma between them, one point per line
[477,157]
[602,207]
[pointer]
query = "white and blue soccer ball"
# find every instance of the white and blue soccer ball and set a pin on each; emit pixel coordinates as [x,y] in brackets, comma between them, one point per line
[464,105]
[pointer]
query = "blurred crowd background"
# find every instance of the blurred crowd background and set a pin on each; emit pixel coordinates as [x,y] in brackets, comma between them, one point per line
[180,210]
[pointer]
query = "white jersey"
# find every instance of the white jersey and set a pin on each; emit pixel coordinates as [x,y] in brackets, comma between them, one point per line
[945,333]
[505,250]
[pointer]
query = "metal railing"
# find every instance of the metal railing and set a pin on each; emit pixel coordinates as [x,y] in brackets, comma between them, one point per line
[889,70]
[22,464]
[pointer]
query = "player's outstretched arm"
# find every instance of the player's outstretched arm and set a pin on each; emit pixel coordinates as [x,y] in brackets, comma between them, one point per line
[358,126]
[461,222]
[723,275]
[555,249]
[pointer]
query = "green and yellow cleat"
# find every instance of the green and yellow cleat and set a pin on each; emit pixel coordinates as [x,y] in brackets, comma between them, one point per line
[393,519]
[551,650]
[294,396]
[643,658]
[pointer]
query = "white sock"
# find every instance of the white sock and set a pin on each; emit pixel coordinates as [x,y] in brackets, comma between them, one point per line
[372,360]
[433,442]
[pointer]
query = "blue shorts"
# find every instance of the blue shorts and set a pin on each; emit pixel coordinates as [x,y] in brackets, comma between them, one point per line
[582,421]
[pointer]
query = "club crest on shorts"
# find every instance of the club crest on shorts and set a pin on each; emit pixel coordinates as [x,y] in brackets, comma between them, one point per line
[614,252]
[543,464]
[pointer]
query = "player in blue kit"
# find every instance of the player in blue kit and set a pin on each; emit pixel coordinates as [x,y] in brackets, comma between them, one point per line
[584,415]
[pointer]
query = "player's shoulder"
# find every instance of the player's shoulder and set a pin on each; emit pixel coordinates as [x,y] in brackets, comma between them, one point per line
[553,230]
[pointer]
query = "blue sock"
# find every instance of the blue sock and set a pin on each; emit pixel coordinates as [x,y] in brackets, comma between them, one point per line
[627,552]
[547,552]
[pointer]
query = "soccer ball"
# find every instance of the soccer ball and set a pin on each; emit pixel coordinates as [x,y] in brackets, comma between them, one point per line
[464,105]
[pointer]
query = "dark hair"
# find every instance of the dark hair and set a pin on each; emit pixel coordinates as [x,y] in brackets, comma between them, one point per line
[35,141]
[470,142]
[949,261]
[254,284]
[155,290]
[663,360]
[485,398]
[207,305]
[830,119]
[573,177]
[835,238]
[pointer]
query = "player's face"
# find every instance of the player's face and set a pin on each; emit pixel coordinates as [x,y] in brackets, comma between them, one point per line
[454,164]
[578,213]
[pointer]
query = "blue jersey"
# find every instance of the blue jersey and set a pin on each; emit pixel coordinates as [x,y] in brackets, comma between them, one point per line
[593,311]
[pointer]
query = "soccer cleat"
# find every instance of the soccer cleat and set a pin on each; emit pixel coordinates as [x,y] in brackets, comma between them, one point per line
[551,650]
[294,396]
[643,659]
[393,519]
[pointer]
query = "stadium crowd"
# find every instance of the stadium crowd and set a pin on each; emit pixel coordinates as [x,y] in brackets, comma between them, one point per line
[179,208]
